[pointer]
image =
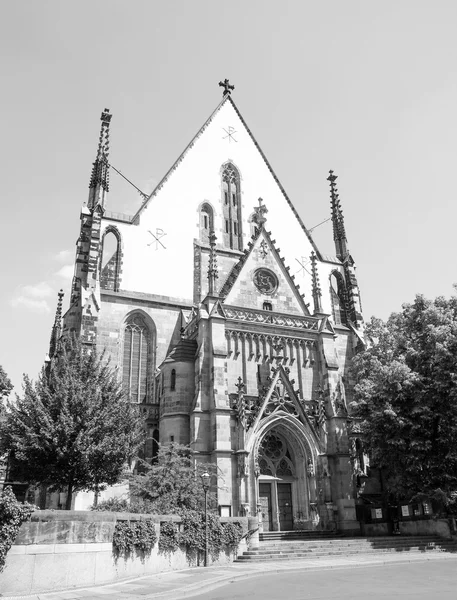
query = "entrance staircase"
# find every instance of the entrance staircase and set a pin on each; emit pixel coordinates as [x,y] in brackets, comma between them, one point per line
[288,545]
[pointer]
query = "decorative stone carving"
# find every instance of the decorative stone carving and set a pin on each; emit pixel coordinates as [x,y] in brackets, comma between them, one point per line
[310,468]
[261,316]
[243,467]
[265,281]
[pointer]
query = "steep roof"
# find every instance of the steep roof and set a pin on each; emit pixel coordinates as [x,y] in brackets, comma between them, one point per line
[226,99]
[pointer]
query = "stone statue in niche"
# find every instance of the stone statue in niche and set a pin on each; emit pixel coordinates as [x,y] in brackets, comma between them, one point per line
[243,467]
[256,466]
[310,468]
[339,399]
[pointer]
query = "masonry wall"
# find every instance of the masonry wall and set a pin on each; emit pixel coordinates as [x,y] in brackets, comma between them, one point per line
[70,549]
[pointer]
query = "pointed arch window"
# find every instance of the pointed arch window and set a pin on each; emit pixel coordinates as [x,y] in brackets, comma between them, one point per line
[206,222]
[109,266]
[231,208]
[339,298]
[137,359]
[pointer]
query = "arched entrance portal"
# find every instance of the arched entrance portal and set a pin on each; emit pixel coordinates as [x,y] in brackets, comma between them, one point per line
[280,493]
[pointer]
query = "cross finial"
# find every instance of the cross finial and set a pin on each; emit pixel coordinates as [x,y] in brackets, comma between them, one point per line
[227,87]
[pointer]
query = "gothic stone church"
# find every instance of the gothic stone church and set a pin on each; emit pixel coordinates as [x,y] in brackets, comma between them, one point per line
[237,357]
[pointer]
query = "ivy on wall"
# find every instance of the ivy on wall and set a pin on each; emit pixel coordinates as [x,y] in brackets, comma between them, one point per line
[128,536]
[191,535]
[12,515]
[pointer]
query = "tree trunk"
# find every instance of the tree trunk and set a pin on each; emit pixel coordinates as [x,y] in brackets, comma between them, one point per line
[69,497]
[96,495]
[42,496]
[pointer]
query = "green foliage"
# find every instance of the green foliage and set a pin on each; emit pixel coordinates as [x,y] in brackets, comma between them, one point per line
[169,537]
[112,505]
[172,484]
[5,388]
[405,396]
[220,535]
[5,385]
[12,515]
[232,534]
[74,429]
[128,536]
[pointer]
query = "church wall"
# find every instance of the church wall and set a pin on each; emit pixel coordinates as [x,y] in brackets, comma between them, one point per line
[225,263]
[325,269]
[115,311]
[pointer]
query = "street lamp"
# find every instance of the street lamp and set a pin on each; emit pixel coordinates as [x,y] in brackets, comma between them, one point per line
[206,478]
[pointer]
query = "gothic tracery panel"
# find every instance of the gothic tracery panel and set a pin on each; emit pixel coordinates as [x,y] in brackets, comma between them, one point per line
[137,358]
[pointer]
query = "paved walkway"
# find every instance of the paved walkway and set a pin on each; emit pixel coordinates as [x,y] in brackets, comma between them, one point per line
[193,582]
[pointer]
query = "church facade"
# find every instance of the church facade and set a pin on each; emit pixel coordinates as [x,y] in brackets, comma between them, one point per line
[223,348]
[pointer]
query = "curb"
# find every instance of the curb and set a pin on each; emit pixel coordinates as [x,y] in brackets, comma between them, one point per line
[202,587]
[210,585]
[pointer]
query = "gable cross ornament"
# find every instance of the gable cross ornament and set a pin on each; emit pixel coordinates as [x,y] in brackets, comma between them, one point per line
[227,87]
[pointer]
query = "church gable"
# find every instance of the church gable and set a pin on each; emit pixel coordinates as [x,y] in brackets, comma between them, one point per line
[212,186]
[261,280]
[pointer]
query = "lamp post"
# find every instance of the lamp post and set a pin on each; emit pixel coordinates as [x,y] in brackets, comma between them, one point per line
[206,477]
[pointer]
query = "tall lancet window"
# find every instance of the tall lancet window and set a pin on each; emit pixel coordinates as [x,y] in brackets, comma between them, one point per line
[231,208]
[109,267]
[137,364]
[339,298]
[206,222]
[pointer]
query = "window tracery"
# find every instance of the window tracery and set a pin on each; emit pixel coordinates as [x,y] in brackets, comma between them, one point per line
[231,207]
[274,456]
[136,359]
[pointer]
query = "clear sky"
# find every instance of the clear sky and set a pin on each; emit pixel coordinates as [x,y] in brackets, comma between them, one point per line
[366,88]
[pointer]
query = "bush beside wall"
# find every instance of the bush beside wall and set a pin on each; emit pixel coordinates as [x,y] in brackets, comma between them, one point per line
[68,549]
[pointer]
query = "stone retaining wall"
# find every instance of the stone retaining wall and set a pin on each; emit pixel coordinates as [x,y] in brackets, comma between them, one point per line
[439,527]
[59,550]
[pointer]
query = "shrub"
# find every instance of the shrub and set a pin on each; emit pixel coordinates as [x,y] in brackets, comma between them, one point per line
[134,535]
[12,515]
[232,534]
[169,537]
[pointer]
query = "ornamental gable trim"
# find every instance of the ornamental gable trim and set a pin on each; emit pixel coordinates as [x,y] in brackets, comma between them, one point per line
[260,280]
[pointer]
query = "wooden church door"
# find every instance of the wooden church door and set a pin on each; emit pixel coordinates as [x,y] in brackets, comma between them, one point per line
[265,505]
[285,506]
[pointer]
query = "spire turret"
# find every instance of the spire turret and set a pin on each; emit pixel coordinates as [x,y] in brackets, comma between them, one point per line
[316,286]
[99,179]
[57,327]
[212,265]
[339,231]
[259,217]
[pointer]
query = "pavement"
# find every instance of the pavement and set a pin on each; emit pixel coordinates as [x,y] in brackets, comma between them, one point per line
[175,585]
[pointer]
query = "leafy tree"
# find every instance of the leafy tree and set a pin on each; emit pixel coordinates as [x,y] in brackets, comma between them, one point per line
[5,385]
[406,397]
[73,429]
[172,484]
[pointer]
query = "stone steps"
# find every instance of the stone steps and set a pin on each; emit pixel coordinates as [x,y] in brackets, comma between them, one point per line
[314,549]
[298,535]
